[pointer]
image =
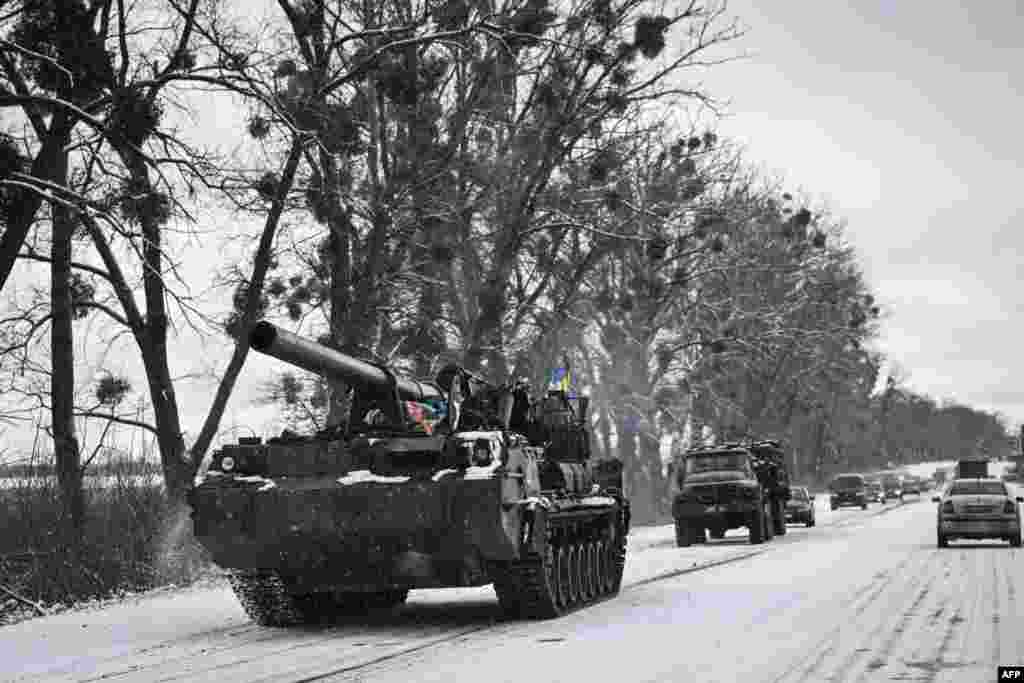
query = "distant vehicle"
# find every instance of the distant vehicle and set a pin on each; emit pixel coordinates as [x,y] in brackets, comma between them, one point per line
[912,485]
[848,489]
[892,487]
[874,492]
[800,507]
[978,508]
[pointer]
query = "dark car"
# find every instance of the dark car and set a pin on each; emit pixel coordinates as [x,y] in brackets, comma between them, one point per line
[800,507]
[847,490]
[978,508]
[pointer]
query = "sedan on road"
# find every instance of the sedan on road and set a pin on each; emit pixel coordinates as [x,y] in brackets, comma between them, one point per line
[978,508]
[800,507]
[848,489]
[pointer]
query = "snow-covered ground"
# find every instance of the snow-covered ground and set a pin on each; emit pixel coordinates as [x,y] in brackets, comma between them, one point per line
[723,608]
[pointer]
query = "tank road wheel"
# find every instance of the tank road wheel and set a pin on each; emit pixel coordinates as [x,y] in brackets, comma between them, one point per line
[564,574]
[608,567]
[684,537]
[590,568]
[600,567]
[593,578]
[617,565]
[756,525]
[266,600]
[574,574]
[584,565]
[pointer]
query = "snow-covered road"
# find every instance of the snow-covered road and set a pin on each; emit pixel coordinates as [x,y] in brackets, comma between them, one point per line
[865,595]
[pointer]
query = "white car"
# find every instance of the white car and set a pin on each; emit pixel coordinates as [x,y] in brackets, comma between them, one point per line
[978,508]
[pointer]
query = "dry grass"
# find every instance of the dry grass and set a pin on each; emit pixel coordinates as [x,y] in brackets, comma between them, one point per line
[134,539]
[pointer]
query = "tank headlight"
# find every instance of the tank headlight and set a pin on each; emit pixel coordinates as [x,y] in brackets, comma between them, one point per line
[227,463]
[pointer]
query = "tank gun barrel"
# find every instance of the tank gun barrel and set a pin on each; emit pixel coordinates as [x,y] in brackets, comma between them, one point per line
[303,353]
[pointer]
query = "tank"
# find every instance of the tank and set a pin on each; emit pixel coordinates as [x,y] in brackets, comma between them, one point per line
[453,482]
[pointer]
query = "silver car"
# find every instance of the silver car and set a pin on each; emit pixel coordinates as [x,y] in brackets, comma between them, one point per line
[978,508]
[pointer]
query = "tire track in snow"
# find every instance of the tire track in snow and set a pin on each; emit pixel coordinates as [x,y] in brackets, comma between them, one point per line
[882,622]
[859,602]
[996,617]
[936,631]
[882,653]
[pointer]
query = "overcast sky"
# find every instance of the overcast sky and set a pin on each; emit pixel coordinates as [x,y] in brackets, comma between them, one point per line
[908,117]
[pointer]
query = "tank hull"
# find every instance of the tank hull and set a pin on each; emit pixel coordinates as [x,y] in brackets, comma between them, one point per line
[416,534]
[367,534]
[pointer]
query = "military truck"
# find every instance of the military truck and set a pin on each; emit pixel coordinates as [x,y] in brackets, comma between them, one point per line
[453,482]
[728,486]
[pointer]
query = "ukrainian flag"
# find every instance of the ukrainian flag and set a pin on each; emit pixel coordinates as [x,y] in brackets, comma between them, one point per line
[560,379]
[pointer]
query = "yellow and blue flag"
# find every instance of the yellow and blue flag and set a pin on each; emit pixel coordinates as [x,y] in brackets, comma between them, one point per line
[560,379]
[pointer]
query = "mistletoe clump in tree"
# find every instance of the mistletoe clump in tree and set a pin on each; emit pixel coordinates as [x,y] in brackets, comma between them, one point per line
[802,316]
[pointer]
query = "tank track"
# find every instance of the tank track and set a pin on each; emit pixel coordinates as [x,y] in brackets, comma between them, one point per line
[266,598]
[583,564]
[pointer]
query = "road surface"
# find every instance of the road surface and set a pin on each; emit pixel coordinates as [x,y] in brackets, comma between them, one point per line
[863,596]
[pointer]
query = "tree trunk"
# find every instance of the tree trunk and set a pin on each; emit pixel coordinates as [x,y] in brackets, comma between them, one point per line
[260,265]
[65,442]
[178,471]
[25,203]
[345,333]
[650,458]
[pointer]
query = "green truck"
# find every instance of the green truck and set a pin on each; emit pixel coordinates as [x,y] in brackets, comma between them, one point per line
[728,486]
